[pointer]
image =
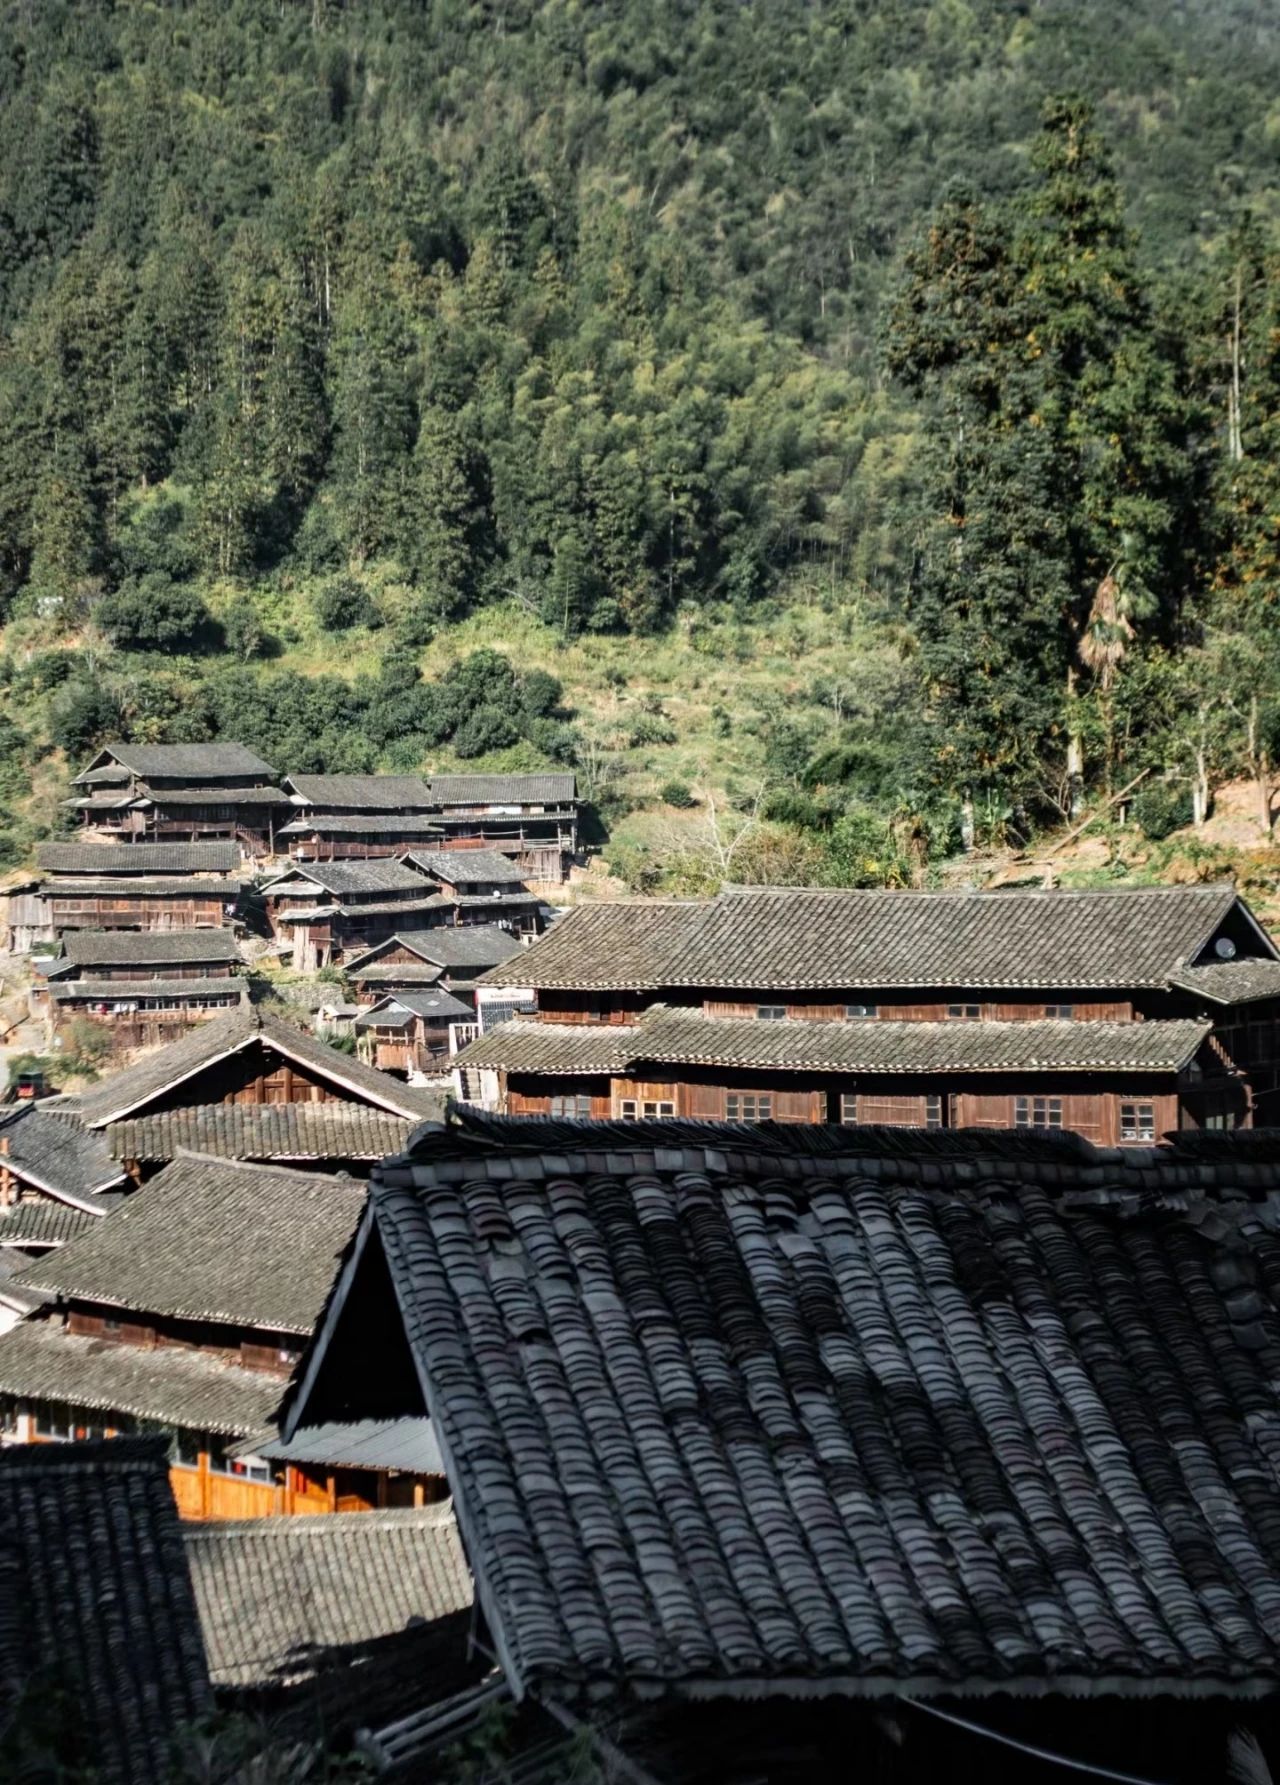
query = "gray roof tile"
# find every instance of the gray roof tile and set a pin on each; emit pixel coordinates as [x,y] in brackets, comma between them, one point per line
[687,1038]
[41,1361]
[347,877]
[103,1598]
[789,1410]
[361,793]
[1231,982]
[188,761]
[44,1222]
[503,790]
[160,948]
[138,858]
[470,945]
[790,937]
[214,1239]
[176,991]
[454,865]
[58,1157]
[260,1131]
[275,1594]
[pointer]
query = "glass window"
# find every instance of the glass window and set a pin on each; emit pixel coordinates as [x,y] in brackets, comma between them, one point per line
[748,1107]
[630,1108]
[848,1106]
[185,1449]
[933,1111]
[1219,1119]
[964,1013]
[53,1420]
[859,1012]
[1037,1112]
[573,1108]
[771,1013]
[1064,1013]
[1137,1121]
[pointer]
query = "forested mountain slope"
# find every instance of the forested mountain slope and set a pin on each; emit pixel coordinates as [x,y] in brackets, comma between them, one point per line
[324,326]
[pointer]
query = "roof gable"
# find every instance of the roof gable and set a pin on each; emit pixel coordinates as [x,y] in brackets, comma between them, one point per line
[867,1414]
[211,1239]
[470,945]
[498,790]
[131,1091]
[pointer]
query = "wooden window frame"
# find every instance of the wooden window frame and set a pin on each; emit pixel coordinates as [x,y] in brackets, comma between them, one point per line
[1137,1129]
[578,1113]
[964,1013]
[1027,1110]
[761,1106]
[861,1013]
[771,1013]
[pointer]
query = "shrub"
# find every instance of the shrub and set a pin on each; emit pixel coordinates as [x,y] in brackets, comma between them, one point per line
[678,794]
[649,728]
[152,613]
[487,728]
[342,604]
[1160,809]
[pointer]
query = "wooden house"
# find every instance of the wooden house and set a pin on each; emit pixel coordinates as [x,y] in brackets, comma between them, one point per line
[330,909]
[333,910]
[146,987]
[412,959]
[186,1309]
[56,1180]
[1120,1014]
[886,1419]
[357,817]
[532,818]
[247,1061]
[110,893]
[181,793]
[414,1032]
[101,1653]
[482,886]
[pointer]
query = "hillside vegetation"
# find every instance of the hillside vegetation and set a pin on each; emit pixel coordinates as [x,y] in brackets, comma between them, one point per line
[843,432]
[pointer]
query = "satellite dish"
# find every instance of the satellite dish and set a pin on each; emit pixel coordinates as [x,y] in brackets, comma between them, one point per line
[1224,948]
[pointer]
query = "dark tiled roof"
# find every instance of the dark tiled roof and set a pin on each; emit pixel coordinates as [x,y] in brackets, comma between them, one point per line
[130,1091]
[137,858]
[1231,982]
[217,796]
[275,1594]
[213,1239]
[788,937]
[173,886]
[40,1361]
[188,761]
[114,991]
[260,1131]
[347,877]
[752,1411]
[44,1222]
[104,1598]
[362,793]
[433,1005]
[467,945]
[686,1038]
[408,908]
[465,865]
[58,1157]
[407,1445]
[398,973]
[629,944]
[503,790]
[346,824]
[159,948]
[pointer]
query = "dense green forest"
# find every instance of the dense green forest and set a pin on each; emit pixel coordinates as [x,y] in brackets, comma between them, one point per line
[326,327]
